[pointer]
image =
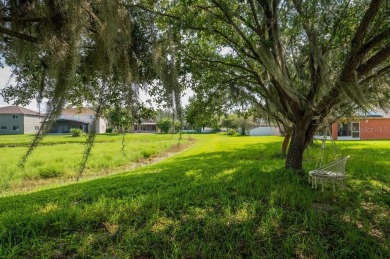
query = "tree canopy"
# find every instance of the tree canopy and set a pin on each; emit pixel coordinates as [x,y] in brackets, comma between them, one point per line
[298,61]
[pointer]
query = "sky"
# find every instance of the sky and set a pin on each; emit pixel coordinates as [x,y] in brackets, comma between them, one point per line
[5,74]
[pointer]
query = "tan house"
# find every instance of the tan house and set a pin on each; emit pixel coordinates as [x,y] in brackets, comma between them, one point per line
[147,126]
[81,118]
[18,120]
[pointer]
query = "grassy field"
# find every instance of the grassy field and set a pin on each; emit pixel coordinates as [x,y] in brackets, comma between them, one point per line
[222,197]
[58,159]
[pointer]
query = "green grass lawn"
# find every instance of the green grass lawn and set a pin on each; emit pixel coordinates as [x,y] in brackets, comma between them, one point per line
[58,159]
[222,197]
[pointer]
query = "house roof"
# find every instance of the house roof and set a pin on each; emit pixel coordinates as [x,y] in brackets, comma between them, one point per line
[13,109]
[78,111]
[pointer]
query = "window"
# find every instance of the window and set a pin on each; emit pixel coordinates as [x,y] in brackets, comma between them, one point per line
[15,116]
[15,128]
[344,130]
[36,127]
[350,129]
[3,127]
[355,130]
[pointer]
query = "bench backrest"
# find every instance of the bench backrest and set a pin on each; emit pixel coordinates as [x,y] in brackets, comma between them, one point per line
[337,166]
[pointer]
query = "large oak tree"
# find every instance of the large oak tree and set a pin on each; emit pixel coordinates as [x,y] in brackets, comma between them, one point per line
[297,60]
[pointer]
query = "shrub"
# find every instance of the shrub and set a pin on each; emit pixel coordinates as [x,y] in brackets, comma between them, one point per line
[231,132]
[164,125]
[76,132]
[109,130]
[146,154]
[178,126]
[50,172]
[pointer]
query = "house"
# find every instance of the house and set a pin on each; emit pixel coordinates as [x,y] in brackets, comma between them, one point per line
[264,128]
[81,118]
[372,125]
[146,126]
[19,120]
[362,128]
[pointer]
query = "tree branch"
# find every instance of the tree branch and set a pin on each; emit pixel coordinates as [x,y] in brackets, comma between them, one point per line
[350,66]
[225,64]
[230,21]
[143,7]
[379,73]
[355,57]
[22,19]
[365,23]
[18,35]
[375,41]
[375,60]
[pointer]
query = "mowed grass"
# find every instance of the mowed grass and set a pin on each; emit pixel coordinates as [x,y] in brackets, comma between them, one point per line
[222,197]
[58,158]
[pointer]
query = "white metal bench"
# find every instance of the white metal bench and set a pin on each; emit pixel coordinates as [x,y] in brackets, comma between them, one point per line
[333,173]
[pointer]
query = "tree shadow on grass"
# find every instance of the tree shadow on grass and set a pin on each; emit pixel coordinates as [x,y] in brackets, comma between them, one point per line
[234,203]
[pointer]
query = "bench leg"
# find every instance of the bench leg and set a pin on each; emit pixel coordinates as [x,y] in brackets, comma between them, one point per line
[342,184]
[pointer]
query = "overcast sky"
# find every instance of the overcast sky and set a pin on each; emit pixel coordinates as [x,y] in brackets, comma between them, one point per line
[5,74]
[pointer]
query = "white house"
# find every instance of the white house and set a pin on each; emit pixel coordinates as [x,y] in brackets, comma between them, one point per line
[263,128]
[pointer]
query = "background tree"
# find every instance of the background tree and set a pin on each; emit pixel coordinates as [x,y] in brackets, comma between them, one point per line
[201,114]
[243,122]
[119,118]
[227,122]
[164,125]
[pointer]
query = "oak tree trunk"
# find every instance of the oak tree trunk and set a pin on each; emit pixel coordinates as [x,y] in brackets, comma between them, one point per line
[295,151]
[286,140]
[302,135]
